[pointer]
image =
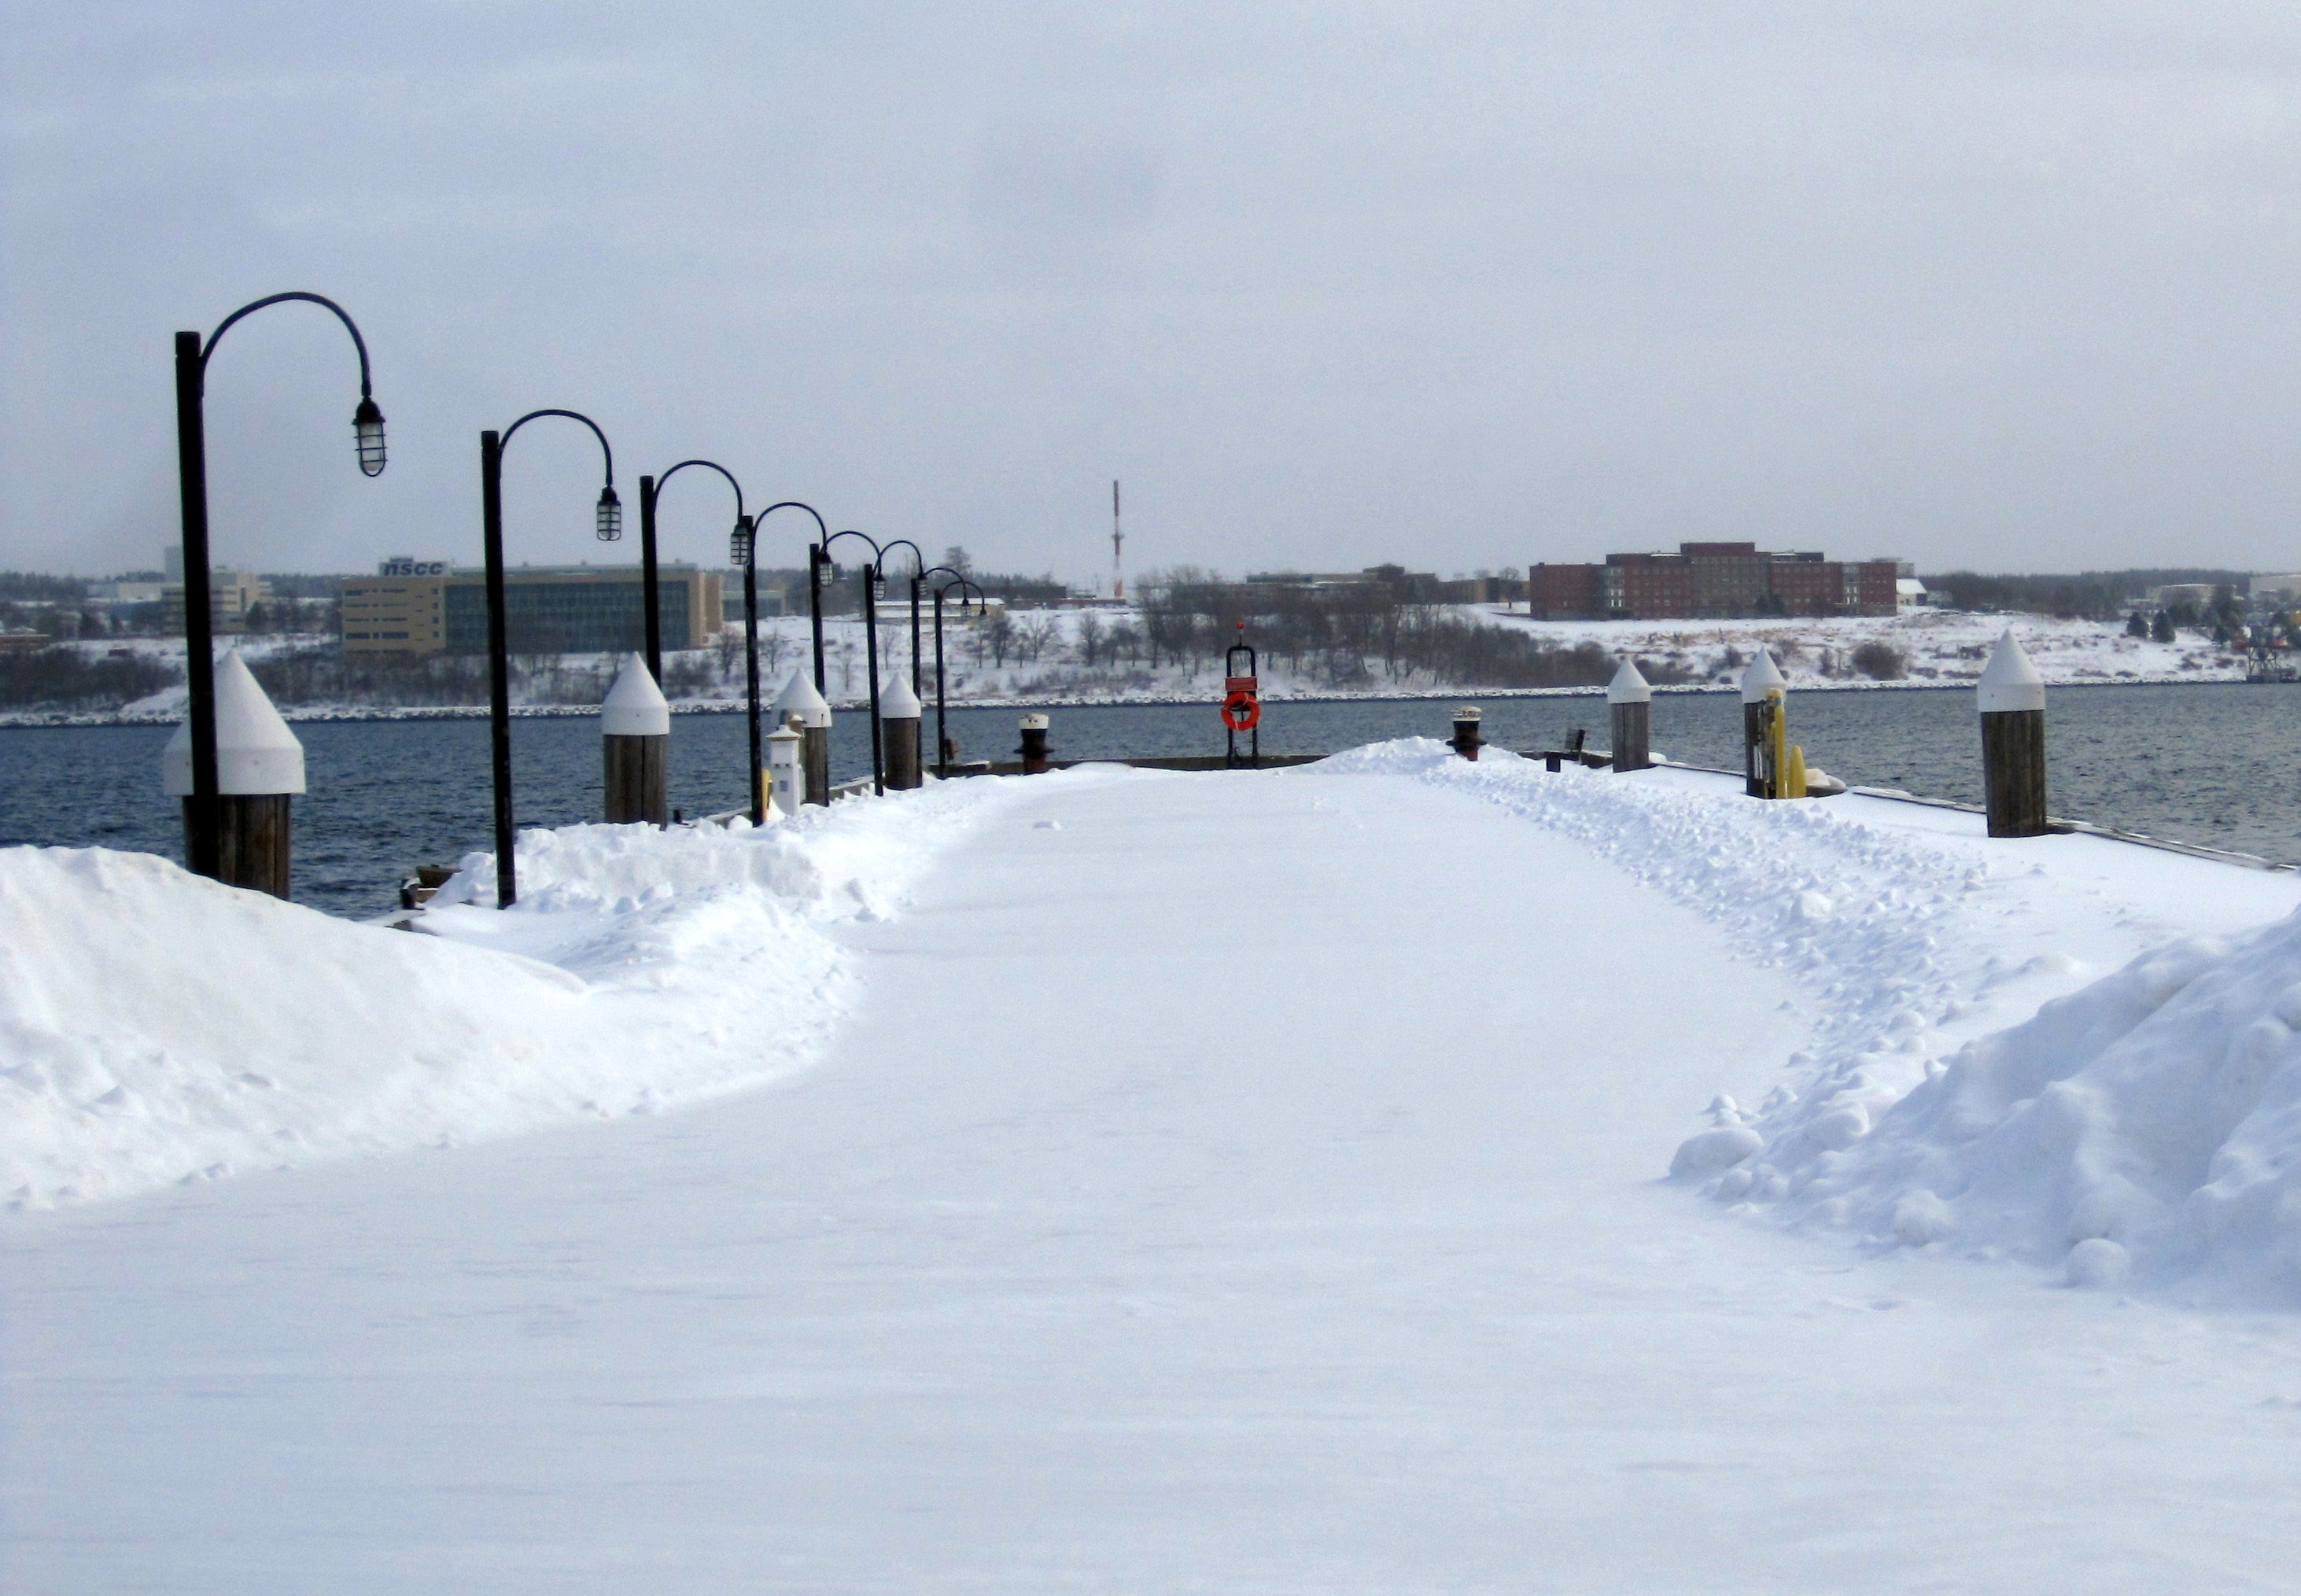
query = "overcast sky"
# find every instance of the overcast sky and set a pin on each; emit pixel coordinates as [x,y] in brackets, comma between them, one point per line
[2011,287]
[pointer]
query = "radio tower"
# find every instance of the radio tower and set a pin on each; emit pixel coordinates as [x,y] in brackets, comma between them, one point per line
[1117,547]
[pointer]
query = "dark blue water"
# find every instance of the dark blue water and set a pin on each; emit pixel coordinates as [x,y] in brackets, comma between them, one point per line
[2217,764]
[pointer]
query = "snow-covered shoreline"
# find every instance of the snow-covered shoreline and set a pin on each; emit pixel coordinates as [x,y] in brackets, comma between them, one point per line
[1937,648]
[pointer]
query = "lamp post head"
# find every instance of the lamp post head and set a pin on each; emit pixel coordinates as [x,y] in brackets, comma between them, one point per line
[738,543]
[611,515]
[367,432]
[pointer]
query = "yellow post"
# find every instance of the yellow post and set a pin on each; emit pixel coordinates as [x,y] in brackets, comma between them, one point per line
[1796,780]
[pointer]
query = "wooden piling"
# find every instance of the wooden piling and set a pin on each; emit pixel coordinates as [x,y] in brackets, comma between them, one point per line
[1629,704]
[898,719]
[254,839]
[1034,744]
[1762,675]
[635,738]
[248,827]
[800,697]
[2012,696]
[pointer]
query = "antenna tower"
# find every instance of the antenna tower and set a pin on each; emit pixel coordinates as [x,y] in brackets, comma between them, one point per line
[1117,547]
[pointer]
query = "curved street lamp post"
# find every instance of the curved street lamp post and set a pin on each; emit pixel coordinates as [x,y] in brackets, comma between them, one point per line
[942,737]
[201,841]
[608,526]
[873,576]
[746,552]
[651,589]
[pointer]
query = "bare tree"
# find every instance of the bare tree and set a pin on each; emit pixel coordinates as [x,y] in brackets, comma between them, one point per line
[1090,638]
[1035,634]
[996,635]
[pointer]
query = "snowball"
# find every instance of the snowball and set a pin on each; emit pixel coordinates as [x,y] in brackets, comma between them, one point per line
[2097,1262]
[1714,1150]
[1839,1128]
[1922,1218]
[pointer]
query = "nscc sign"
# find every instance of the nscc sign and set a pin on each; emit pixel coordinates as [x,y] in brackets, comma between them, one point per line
[402,566]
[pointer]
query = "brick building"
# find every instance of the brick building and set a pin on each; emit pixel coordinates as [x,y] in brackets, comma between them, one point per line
[1707,580]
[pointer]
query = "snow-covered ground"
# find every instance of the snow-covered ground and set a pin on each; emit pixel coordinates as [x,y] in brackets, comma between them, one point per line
[1937,646]
[1247,1181]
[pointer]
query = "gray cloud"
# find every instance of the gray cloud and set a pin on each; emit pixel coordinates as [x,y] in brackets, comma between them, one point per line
[1464,286]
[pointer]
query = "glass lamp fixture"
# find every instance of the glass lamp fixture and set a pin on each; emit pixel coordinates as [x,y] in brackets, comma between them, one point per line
[367,432]
[611,515]
[738,544]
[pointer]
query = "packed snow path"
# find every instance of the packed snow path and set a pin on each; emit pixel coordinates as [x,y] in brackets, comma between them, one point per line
[1232,1183]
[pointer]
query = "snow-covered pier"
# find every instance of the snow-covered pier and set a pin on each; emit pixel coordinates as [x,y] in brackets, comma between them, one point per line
[1097,1180]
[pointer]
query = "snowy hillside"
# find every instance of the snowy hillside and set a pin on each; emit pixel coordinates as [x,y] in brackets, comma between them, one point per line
[1074,656]
[1937,647]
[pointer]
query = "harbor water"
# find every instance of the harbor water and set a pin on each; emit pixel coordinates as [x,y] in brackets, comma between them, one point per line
[2216,763]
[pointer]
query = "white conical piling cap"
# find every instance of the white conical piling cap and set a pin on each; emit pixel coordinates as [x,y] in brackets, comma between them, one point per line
[1762,675]
[635,704]
[1628,687]
[897,701]
[799,695]
[2010,681]
[256,753]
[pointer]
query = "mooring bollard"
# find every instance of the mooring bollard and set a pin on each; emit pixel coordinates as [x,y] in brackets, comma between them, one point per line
[800,697]
[898,719]
[2012,698]
[786,772]
[1466,740]
[259,770]
[635,738]
[1630,702]
[1762,677]
[1034,744]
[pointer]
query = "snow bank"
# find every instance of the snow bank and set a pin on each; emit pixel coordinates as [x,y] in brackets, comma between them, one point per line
[157,1027]
[2145,1126]
[2149,1124]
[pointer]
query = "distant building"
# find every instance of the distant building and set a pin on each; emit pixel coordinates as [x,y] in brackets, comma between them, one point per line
[1910,593]
[1704,580]
[1413,586]
[231,593]
[129,591]
[2278,592]
[413,606]
[2198,594]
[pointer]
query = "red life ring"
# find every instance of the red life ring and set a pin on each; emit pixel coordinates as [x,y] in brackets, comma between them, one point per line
[1242,712]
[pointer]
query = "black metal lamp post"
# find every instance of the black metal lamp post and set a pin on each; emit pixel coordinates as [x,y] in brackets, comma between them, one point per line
[650,592]
[746,557]
[818,561]
[192,354]
[943,738]
[870,590]
[918,566]
[609,526]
